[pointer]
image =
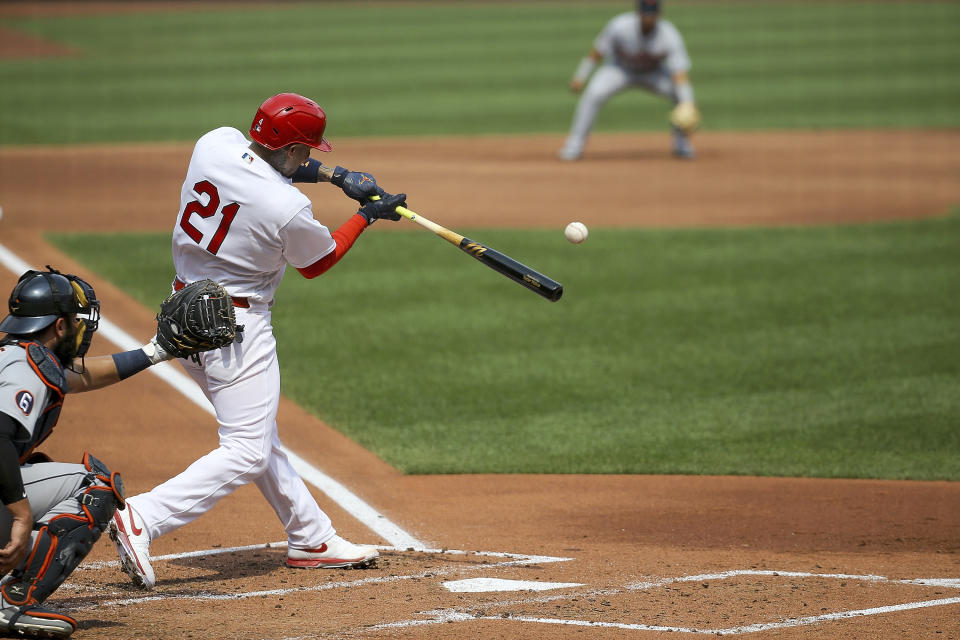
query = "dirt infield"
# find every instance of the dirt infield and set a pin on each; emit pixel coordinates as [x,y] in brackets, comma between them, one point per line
[615,556]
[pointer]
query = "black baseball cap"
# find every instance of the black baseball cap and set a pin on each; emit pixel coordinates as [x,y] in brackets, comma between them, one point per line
[648,6]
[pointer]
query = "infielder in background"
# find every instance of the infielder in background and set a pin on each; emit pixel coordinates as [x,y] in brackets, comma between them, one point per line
[639,50]
[241,222]
[54,512]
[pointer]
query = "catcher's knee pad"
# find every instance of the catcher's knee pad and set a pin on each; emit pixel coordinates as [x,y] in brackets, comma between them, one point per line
[65,541]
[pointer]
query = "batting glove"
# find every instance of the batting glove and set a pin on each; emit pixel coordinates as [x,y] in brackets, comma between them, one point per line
[359,185]
[385,208]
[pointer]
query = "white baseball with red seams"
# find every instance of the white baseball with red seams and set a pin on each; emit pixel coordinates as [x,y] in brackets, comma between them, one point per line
[576,232]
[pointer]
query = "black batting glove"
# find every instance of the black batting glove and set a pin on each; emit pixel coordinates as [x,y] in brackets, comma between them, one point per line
[359,185]
[385,208]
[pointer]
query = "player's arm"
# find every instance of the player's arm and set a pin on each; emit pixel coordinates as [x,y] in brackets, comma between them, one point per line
[344,237]
[359,185]
[313,171]
[682,86]
[584,69]
[103,371]
[13,496]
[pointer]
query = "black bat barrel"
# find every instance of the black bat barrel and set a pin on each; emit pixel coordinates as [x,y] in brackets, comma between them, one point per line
[516,271]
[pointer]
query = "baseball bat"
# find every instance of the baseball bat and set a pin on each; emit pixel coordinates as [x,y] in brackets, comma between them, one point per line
[503,264]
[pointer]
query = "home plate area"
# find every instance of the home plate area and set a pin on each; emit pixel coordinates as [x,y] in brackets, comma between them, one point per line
[417,588]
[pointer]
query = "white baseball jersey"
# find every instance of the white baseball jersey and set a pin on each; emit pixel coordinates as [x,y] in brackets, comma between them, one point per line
[622,43]
[23,395]
[241,222]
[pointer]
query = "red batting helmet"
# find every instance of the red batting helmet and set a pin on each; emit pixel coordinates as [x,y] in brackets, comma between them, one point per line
[287,118]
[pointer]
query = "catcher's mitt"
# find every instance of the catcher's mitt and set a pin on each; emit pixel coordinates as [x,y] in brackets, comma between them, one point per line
[195,319]
[686,117]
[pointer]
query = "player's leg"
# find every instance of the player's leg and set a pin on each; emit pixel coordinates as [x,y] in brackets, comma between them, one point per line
[311,539]
[238,381]
[234,379]
[606,82]
[72,505]
[247,424]
[661,83]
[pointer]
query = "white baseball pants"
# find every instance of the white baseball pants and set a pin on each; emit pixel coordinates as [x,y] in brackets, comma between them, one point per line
[243,383]
[606,82]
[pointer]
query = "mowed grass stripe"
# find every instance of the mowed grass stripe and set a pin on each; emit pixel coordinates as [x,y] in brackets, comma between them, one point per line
[826,351]
[474,69]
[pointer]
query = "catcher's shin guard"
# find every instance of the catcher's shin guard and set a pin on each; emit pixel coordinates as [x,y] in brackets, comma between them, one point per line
[65,541]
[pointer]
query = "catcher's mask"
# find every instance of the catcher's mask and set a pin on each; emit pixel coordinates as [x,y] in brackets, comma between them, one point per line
[287,118]
[41,297]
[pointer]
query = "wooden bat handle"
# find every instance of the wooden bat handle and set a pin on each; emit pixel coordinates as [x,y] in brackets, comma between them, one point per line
[452,237]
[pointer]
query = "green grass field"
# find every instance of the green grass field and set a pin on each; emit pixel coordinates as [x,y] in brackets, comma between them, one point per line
[821,351]
[466,68]
[788,351]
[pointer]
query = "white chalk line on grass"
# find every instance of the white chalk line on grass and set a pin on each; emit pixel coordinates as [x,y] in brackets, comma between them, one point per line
[353,504]
[462,614]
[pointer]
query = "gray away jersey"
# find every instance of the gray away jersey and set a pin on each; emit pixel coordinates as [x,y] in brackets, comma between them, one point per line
[23,395]
[622,43]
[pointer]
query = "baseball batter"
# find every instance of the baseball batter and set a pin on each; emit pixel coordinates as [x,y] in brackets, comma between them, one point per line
[241,221]
[639,49]
[54,512]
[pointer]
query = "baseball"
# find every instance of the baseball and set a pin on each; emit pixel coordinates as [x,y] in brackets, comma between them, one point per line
[576,232]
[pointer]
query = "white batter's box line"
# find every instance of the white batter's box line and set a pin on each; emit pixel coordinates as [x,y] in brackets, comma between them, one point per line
[267,546]
[340,494]
[724,575]
[516,558]
[463,614]
[510,560]
[752,628]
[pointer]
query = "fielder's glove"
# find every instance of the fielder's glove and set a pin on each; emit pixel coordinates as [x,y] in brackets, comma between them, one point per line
[385,208]
[195,319]
[359,185]
[685,117]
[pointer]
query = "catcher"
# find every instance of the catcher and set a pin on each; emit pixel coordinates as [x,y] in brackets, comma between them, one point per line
[642,51]
[54,512]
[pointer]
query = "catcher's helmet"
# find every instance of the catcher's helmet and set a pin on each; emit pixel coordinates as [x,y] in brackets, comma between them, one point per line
[41,297]
[287,118]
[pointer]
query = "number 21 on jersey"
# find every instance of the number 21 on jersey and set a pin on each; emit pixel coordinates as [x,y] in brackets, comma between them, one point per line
[228,213]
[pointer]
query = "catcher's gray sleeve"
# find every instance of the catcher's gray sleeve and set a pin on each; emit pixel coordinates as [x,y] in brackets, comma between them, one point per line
[23,396]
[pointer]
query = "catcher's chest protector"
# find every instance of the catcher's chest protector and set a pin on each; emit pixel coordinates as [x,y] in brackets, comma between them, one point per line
[45,365]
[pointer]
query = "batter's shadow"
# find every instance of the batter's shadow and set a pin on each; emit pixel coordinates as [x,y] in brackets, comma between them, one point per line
[88,624]
[233,565]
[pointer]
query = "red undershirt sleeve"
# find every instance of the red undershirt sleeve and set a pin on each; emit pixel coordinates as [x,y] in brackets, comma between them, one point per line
[345,236]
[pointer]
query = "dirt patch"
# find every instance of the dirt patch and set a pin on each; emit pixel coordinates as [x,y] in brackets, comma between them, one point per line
[60,8]
[17,44]
[493,181]
[651,556]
